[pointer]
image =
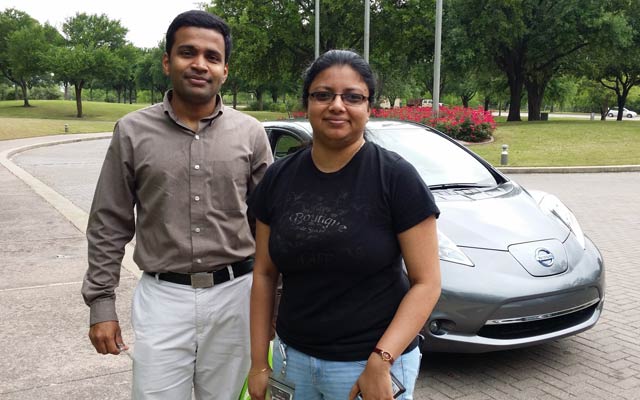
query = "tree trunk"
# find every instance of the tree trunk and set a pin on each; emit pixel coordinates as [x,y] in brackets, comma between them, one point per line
[235,98]
[487,103]
[511,63]
[515,98]
[25,94]
[621,95]
[259,94]
[515,80]
[535,94]
[78,88]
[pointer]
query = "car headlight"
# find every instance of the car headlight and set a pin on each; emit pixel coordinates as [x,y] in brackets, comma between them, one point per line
[552,205]
[449,251]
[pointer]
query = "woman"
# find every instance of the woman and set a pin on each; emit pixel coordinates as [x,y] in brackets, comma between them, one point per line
[336,219]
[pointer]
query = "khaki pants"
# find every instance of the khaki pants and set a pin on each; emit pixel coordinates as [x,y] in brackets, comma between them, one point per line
[190,339]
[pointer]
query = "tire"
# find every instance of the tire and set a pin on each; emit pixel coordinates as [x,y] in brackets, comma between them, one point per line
[610,115]
[629,116]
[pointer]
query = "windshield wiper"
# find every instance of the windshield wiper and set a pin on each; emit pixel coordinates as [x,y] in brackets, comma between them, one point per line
[457,186]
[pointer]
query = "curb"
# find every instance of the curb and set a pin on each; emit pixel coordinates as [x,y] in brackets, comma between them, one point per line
[74,214]
[569,170]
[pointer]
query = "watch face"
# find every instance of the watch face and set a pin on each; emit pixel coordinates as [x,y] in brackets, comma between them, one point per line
[385,355]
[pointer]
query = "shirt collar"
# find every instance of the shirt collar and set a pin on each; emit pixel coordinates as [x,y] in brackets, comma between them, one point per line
[168,109]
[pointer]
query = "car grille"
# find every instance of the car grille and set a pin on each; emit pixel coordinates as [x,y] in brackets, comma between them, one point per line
[534,328]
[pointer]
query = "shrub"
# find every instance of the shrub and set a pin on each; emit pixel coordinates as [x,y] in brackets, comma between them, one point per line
[468,124]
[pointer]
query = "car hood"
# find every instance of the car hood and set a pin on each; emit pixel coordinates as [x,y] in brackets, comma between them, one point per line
[495,218]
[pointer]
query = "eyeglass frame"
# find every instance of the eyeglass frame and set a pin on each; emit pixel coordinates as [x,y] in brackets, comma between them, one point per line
[334,95]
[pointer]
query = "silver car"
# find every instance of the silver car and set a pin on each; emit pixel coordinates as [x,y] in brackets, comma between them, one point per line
[517,270]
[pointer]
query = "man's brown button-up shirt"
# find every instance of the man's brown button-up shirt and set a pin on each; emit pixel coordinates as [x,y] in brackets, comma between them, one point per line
[189,191]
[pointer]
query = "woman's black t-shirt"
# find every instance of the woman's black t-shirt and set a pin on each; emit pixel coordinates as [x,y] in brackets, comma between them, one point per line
[334,239]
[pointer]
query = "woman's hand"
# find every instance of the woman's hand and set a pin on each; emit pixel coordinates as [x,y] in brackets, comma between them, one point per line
[258,380]
[375,381]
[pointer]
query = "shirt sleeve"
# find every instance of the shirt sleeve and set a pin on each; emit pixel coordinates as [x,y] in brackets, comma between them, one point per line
[411,200]
[111,226]
[259,201]
[262,158]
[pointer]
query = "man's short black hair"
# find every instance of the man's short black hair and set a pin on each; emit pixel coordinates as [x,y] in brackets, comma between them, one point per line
[199,19]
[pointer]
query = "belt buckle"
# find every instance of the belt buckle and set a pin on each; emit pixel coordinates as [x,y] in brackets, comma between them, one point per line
[202,280]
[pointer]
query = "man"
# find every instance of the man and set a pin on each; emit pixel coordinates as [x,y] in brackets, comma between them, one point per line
[187,166]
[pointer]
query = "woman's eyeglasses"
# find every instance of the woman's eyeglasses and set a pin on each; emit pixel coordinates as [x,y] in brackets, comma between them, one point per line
[350,99]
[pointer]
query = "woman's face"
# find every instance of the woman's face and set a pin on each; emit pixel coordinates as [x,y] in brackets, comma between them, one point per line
[337,123]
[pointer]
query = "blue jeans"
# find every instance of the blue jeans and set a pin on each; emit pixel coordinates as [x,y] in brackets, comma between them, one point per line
[317,379]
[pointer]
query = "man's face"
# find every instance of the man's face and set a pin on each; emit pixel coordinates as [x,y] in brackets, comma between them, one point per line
[196,65]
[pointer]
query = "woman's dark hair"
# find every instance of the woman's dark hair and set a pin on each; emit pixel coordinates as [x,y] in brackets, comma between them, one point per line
[339,57]
[199,19]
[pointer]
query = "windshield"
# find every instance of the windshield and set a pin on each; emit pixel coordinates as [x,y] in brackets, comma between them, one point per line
[439,162]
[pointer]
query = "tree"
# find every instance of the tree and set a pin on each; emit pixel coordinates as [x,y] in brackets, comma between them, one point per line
[616,66]
[531,40]
[123,76]
[26,56]
[402,42]
[149,72]
[24,44]
[86,56]
[271,44]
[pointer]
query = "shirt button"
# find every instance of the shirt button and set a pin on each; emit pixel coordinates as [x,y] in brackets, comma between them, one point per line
[197,198]
[197,230]
[198,261]
[197,137]
[197,166]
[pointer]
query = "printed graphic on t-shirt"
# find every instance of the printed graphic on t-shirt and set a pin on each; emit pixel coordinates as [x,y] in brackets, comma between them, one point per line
[315,227]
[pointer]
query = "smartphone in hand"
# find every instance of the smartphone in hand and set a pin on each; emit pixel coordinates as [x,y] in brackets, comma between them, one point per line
[396,386]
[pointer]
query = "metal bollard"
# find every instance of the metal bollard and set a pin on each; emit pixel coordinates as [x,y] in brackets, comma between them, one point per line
[66,128]
[504,156]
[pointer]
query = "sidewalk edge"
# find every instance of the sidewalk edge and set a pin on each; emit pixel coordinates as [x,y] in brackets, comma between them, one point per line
[74,214]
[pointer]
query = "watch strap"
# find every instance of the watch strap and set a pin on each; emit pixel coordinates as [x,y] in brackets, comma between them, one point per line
[385,355]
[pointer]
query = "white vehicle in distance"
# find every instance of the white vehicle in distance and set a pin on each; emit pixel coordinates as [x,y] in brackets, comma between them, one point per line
[613,112]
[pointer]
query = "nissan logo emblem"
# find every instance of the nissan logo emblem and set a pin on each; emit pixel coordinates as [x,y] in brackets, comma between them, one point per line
[544,257]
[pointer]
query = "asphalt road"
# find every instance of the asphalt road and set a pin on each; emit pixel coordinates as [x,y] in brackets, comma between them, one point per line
[602,363]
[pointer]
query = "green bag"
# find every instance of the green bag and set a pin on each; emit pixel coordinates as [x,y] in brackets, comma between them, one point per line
[244,393]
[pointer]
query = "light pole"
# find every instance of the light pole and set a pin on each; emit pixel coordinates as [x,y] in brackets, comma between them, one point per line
[367,17]
[317,28]
[436,60]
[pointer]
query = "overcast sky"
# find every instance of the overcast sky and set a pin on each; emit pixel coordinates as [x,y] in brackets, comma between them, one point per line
[146,20]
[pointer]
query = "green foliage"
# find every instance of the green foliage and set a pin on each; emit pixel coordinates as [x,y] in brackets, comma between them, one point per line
[531,40]
[94,31]
[616,66]
[88,56]
[149,73]
[46,93]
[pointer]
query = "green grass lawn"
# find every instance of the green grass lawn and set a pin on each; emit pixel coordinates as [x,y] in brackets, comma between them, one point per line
[48,117]
[542,143]
[565,143]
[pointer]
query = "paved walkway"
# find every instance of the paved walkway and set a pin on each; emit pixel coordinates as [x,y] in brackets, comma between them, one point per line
[44,322]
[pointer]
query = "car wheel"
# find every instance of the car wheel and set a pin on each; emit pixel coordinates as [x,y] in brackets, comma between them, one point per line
[629,116]
[610,115]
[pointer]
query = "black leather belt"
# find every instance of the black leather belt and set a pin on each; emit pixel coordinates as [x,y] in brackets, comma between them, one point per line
[207,279]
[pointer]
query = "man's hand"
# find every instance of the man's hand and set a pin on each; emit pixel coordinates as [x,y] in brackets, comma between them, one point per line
[106,338]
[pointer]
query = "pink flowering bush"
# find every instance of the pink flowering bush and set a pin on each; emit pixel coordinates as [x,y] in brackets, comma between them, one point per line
[468,124]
